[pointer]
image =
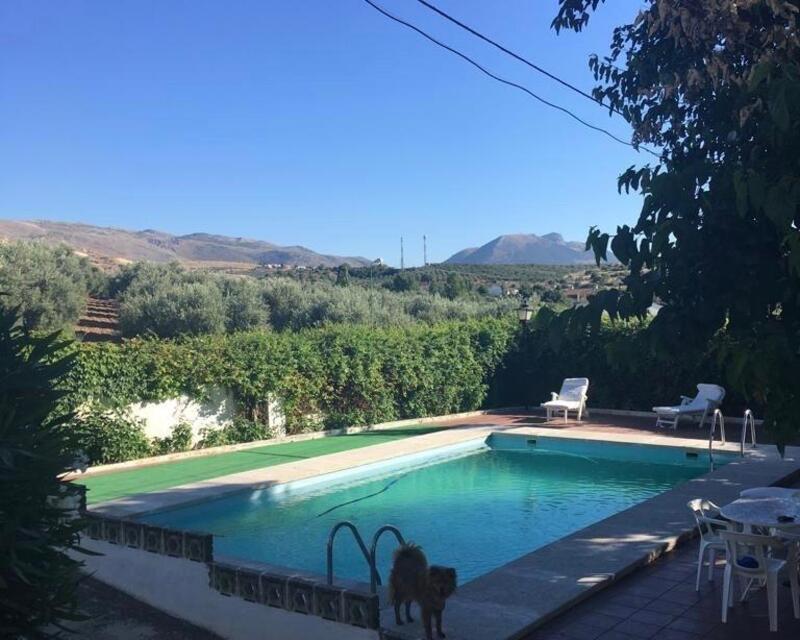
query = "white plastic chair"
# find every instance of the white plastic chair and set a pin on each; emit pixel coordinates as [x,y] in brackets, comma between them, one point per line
[748,557]
[709,525]
[708,398]
[572,397]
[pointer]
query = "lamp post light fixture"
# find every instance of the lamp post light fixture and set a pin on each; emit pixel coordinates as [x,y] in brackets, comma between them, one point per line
[525,312]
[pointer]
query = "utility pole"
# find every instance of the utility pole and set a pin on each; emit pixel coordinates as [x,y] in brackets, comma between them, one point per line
[424,250]
[402,259]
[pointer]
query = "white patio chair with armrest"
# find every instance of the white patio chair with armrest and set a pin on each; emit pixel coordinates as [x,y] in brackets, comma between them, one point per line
[708,398]
[748,557]
[709,525]
[572,397]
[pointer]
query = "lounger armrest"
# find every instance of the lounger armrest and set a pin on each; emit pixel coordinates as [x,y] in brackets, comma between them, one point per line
[685,400]
[553,396]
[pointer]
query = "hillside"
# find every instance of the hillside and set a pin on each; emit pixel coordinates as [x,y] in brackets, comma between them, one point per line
[525,249]
[107,245]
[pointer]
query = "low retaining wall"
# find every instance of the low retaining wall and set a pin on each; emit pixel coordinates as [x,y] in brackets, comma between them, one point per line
[176,572]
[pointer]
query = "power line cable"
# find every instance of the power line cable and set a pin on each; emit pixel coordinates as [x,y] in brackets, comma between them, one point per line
[503,80]
[518,57]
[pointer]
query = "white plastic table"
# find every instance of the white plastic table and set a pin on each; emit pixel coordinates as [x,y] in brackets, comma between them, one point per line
[764,512]
[771,492]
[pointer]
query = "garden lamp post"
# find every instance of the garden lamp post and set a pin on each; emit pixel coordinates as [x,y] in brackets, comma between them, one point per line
[524,312]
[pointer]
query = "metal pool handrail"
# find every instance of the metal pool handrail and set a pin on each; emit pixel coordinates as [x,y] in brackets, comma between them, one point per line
[349,525]
[375,578]
[717,418]
[750,421]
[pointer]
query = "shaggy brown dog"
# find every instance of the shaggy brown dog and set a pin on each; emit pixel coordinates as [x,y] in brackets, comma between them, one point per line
[412,579]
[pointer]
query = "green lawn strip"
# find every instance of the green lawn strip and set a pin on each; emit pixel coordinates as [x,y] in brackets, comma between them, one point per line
[118,484]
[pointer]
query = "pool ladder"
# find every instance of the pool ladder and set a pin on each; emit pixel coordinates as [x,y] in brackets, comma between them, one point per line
[717,419]
[748,421]
[369,555]
[748,425]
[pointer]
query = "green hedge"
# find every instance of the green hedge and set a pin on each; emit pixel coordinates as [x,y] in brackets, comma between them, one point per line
[355,375]
[623,370]
[331,377]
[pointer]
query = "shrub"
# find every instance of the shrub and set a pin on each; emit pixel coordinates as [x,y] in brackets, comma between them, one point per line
[332,376]
[624,371]
[238,431]
[180,440]
[111,435]
[37,578]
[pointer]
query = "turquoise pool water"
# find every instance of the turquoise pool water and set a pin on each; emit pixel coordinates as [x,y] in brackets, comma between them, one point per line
[474,509]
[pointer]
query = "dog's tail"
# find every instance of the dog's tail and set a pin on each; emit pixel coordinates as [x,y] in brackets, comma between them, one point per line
[410,555]
[409,567]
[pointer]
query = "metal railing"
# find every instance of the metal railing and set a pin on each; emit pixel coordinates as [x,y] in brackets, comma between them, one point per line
[375,578]
[717,418]
[369,555]
[332,535]
[748,421]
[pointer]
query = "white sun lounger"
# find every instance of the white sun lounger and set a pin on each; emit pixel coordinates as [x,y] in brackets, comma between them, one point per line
[708,398]
[572,397]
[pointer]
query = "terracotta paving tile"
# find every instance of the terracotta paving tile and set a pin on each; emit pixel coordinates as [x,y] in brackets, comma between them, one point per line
[652,617]
[672,634]
[601,621]
[692,625]
[665,606]
[631,600]
[637,629]
[613,634]
[616,610]
[578,631]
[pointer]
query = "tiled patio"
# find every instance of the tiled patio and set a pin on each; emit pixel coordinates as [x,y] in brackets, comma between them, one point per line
[601,422]
[660,601]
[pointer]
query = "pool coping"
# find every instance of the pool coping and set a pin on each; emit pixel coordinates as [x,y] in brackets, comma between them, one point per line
[516,598]
[202,490]
[519,596]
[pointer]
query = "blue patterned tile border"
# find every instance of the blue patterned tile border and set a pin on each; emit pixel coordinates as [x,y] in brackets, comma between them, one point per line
[290,592]
[198,547]
[298,594]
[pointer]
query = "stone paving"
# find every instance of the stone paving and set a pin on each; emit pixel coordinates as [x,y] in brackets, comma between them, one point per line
[660,601]
[113,615]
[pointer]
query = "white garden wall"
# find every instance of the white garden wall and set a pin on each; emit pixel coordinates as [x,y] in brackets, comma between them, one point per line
[160,417]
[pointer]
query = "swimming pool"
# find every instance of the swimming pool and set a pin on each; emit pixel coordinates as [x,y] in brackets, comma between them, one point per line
[475,506]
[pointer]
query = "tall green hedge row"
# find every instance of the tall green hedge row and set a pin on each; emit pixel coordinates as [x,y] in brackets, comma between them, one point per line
[624,371]
[331,377]
[354,375]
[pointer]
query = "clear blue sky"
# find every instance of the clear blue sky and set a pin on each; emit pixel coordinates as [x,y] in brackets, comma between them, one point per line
[314,122]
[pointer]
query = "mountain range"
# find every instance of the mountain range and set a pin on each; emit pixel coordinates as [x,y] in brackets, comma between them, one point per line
[110,245]
[525,248]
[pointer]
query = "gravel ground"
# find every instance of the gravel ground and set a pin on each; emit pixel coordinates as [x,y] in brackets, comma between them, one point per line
[116,616]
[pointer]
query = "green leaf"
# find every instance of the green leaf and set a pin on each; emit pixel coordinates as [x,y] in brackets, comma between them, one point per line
[778,107]
[740,188]
[758,74]
[779,207]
